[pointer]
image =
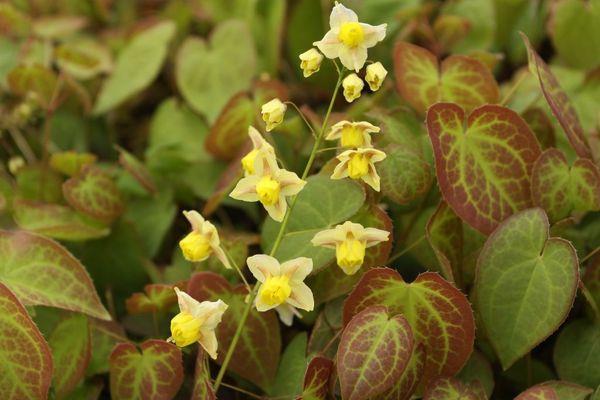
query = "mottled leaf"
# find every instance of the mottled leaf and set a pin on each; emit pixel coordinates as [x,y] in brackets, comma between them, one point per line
[450,389]
[405,175]
[203,389]
[577,353]
[156,297]
[316,378]
[411,377]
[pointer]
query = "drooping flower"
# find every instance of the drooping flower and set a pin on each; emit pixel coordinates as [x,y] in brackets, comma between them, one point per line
[282,285]
[359,164]
[202,241]
[196,322]
[352,134]
[375,75]
[353,86]
[310,62]
[260,149]
[349,39]
[350,240]
[273,113]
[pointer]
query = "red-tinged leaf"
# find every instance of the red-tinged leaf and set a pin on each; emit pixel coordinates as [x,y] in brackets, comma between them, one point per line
[93,192]
[324,337]
[408,383]
[137,169]
[71,351]
[558,101]
[42,272]
[25,358]
[256,355]
[439,314]
[405,175]
[316,378]
[374,350]
[444,233]
[35,79]
[538,392]
[154,371]
[226,182]
[104,336]
[591,280]
[568,390]
[156,297]
[451,389]
[423,81]
[541,126]
[203,389]
[483,162]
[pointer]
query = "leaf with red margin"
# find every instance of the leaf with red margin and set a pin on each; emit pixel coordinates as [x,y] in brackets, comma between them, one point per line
[451,389]
[156,297]
[439,314]
[256,355]
[558,101]
[137,169]
[42,272]
[203,389]
[444,233]
[405,175]
[568,390]
[560,189]
[525,284]
[71,351]
[155,372]
[538,392]
[408,383]
[483,162]
[374,350]
[316,378]
[25,358]
[422,81]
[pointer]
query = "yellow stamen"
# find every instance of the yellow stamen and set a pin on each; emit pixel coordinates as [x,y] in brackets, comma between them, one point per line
[351,34]
[195,246]
[248,161]
[268,190]
[275,290]
[358,166]
[185,329]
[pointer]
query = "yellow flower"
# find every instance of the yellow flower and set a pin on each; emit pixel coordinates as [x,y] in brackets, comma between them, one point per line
[202,241]
[197,322]
[15,163]
[283,287]
[352,134]
[310,62]
[350,241]
[352,85]
[261,149]
[272,113]
[375,75]
[349,39]
[359,164]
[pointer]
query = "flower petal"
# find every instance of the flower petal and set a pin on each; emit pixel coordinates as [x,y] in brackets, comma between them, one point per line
[340,14]
[330,45]
[208,341]
[372,178]
[297,269]
[262,306]
[336,130]
[220,253]
[373,34]
[277,210]
[195,219]
[286,313]
[290,183]
[245,189]
[262,266]
[301,297]
[373,236]
[210,312]
[329,237]
[341,170]
[353,58]
[186,302]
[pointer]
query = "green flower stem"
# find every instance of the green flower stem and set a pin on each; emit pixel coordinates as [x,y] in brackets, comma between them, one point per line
[280,234]
[235,266]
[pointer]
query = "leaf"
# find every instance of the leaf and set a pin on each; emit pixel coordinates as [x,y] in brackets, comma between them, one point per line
[577,353]
[267,25]
[538,392]
[374,350]
[404,388]
[203,389]
[41,272]
[38,183]
[316,378]
[478,369]
[156,297]
[525,284]
[54,27]
[25,358]
[71,351]
[444,232]
[71,162]
[137,169]
[422,81]
[328,324]
[35,79]
[480,189]
[136,67]
[439,314]
[558,101]
[288,382]
[256,355]
[104,335]
[560,188]
[541,125]
[450,389]
[317,208]
[155,372]
[83,58]
[568,391]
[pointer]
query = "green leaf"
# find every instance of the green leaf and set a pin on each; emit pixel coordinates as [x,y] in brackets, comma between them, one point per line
[42,272]
[577,353]
[38,183]
[316,379]
[137,169]
[137,66]
[25,358]
[35,79]
[203,387]
[451,389]
[525,285]
[405,175]
[71,162]
[154,373]
[478,369]
[267,24]
[55,27]
[288,382]
[467,149]
[83,58]
[104,335]
[411,377]
[374,350]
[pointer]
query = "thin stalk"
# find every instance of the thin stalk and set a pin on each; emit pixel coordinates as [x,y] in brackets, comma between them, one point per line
[513,89]
[589,255]
[303,118]
[237,268]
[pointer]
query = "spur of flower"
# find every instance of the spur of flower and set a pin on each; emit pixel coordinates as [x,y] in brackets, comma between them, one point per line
[352,134]
[196,322]
[270,185]
[359,164]
[272,113]
[348,39]
[260,149]
[282,285]
[202,241]
[350,240]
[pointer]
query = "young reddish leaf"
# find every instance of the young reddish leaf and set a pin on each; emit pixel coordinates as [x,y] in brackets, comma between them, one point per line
[558,101]
[408,383]
[373,353]
[316,378]
[137,169]
[439,314]
[41,272]
[483,162]
[567,390]
[538,392]
[423,81]
[256,355]
[451,389]
[525,284]
[156,297]
[405,175]
[577,353]
[541,126]
[25,358]
[203,389]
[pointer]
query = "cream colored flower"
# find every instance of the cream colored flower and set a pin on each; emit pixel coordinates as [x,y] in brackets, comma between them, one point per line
[260,149]
[375,75]
[273,113]
[349,39]
[270,185]
[350,241]
[353,86]
[310,62]
[359,164]
[352,134]
[202,241]
[197,322]
[282,285]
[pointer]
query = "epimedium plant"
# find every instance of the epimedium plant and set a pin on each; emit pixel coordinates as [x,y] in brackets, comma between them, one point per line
[338,239]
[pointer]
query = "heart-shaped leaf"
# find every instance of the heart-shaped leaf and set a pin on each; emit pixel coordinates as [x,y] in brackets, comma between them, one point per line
[577,353]
[25,358]
[289,378]
[452,389]
[423,81]
[410,379]
[203,389]
[156,297]
[525,284]
[374,350]
[154,371]
[316,378]
[480,189]
[439,314]
[555,390]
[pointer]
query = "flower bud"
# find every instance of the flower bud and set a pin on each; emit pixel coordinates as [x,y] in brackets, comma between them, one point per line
[375,75]
[272,113]
[195,246]
[310,62]
[352,85]
[185,329]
